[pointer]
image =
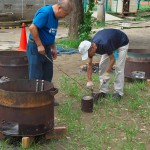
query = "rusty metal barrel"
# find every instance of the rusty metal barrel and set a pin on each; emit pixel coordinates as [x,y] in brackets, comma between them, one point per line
[137,60]
[14,64]
[24,111]
[87,104]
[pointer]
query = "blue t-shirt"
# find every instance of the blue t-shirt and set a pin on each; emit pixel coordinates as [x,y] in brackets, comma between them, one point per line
[47,24]
[109,40]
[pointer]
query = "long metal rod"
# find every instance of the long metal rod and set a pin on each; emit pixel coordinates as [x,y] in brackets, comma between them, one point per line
[67,75]
[22,10]
[37,85]
[42,85]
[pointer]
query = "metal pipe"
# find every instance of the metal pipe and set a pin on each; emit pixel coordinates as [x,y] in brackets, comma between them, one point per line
[117,6]
[42,85]
[37,85]
[6,14]
[22,10]
[101,10]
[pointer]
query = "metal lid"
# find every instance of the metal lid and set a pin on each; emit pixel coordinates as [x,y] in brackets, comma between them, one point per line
[87,97]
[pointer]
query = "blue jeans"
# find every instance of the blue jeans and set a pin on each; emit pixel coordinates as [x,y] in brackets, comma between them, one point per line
[39,66]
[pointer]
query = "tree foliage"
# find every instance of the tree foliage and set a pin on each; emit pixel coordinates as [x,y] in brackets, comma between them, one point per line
[86,27]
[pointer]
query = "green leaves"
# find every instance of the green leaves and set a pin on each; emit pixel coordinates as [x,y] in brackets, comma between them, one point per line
[86,27]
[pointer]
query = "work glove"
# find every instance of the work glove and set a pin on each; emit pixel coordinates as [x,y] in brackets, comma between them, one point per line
[89,85]
[105,76]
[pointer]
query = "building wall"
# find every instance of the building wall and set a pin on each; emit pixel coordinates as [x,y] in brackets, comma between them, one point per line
[12,10]
[133,6]
[117,6]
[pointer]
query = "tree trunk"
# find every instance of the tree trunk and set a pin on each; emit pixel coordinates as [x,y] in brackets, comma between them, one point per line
[76,19]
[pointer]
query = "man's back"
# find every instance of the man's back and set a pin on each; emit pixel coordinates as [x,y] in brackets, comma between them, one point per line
[108,40]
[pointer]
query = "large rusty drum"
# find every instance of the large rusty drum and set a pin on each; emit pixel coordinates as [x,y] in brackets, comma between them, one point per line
[137,60]
[26,107]
[14,64]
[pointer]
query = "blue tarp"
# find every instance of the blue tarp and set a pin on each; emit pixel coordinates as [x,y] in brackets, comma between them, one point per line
[61,50]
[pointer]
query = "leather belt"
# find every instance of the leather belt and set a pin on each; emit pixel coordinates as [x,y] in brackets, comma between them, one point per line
[46,46]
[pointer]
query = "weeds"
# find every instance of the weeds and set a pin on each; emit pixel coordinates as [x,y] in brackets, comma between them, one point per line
[112,125]
[68,44]
[108,124]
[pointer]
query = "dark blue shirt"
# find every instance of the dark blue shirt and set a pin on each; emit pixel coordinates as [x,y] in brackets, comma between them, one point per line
[109,40]
[47,24]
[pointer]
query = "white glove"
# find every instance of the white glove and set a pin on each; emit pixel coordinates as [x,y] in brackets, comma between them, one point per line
[105,76]
[89,85]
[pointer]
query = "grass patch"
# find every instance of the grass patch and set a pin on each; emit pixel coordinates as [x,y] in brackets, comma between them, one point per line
[112,125]
[67,43]
[144,8]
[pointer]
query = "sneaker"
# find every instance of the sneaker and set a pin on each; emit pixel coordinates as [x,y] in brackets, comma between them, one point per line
[116,96]
[102,95]
[97,96]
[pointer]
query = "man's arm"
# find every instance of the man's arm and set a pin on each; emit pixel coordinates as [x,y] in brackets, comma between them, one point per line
[89,69]
[34,32]
[112,61]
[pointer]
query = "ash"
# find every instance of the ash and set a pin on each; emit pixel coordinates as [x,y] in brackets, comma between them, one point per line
[4,79]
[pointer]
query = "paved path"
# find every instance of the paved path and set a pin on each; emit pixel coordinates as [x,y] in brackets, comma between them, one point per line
[10,38]
[108,17]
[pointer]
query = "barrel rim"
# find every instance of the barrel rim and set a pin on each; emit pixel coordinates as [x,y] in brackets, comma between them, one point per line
[19,80]
[25,55]
[88,96]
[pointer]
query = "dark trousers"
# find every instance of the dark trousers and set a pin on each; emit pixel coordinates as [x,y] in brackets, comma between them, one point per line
[39,66]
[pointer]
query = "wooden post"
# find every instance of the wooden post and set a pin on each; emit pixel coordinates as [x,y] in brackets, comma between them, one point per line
[148,81]
[27,141]
[101,10]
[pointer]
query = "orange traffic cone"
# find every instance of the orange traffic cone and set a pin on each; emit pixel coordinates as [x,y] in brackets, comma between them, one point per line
[23,40]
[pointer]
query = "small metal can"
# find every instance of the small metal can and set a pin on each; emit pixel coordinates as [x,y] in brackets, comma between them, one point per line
[87,104]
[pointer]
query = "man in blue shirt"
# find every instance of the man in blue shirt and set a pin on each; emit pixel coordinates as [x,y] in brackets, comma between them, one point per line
[42,39]
[105,42]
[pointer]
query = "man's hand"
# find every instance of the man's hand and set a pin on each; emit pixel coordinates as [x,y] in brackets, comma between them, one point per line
[89,85]
[54,51]
[54,54]
[41,49]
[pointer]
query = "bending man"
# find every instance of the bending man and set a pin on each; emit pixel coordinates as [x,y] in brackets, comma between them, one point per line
[105,42]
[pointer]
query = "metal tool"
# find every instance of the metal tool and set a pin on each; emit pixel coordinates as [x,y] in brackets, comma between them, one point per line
[37,85]
[42,85]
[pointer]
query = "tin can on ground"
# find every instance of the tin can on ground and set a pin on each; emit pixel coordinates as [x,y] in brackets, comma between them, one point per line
[87,104]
